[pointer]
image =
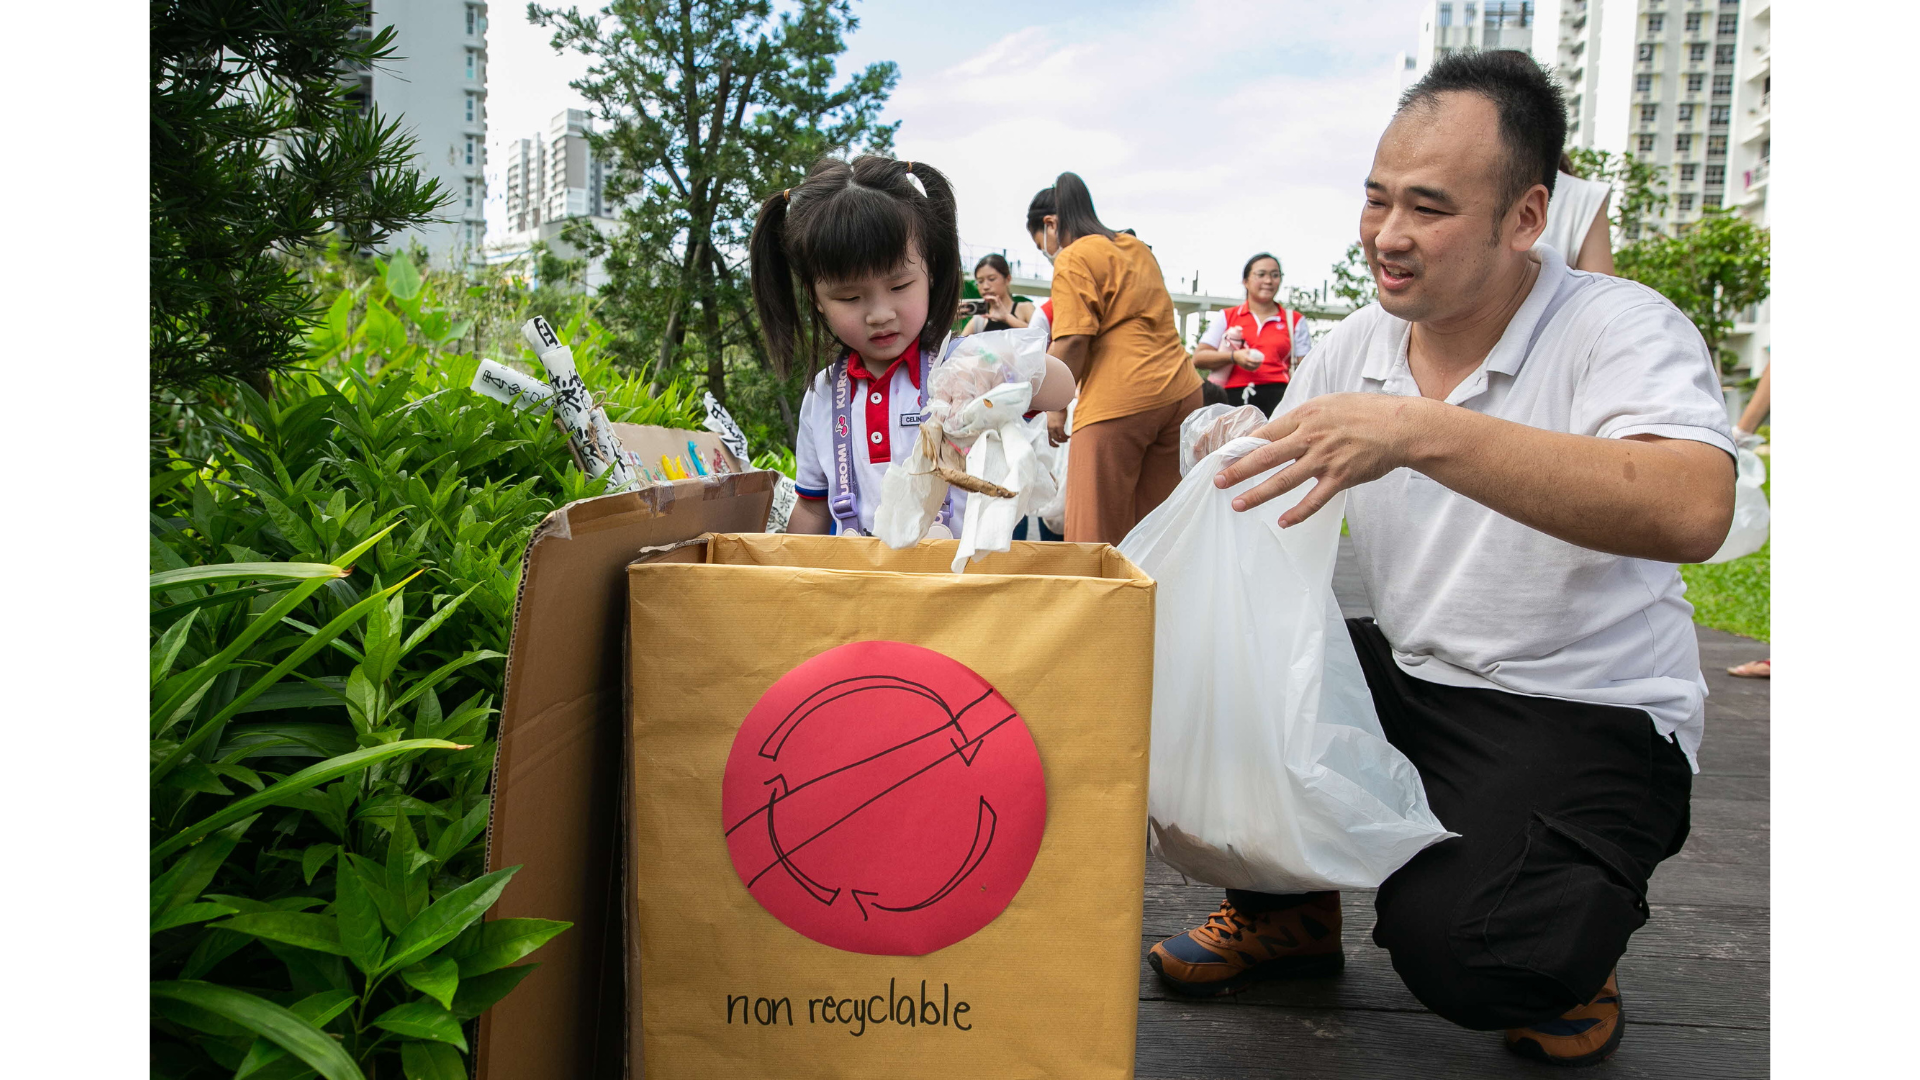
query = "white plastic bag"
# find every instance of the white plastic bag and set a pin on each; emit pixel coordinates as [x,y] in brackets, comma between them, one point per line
[1269,768]
[1751,515]
[1053,512]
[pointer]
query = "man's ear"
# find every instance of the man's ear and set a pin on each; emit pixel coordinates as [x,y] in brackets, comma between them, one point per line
[1528,218]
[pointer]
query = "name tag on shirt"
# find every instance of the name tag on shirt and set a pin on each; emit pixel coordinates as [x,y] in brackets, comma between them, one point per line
[912,419]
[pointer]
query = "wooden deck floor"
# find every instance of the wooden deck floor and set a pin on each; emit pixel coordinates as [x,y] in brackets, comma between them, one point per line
[1694,980]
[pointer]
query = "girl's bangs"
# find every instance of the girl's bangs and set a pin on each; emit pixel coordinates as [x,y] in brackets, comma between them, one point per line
[859,232]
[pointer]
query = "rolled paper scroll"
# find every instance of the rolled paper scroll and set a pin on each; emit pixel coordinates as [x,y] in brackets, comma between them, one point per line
[510,387]
[587,426]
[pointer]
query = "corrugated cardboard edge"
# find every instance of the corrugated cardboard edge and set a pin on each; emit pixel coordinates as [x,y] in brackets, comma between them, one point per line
[592,515]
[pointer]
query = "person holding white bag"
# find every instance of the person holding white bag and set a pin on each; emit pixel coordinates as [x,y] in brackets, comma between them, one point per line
[1524,453]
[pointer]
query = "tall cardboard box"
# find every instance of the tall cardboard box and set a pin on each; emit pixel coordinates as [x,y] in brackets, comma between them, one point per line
[887,820]
[642,646]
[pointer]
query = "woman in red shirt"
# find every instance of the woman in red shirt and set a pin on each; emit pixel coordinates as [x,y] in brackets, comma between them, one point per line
[1257,341]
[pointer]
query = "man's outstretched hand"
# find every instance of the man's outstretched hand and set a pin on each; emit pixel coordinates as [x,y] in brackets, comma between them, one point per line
[1340,440]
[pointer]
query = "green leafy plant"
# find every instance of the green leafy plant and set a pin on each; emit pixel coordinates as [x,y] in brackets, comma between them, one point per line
[1716,268]
[1639,191]
[334,570]
[1353,278]
[257,152]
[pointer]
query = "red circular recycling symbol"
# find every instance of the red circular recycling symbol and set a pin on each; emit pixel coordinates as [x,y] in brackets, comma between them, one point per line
[883,798]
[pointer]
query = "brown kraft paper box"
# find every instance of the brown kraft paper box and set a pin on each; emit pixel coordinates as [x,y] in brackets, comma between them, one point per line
[1063,633]
[556,790]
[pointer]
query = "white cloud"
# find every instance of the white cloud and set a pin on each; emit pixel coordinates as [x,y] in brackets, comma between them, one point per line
[1214,129]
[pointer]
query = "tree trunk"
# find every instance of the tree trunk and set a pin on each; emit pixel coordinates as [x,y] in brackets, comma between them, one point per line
[710,327]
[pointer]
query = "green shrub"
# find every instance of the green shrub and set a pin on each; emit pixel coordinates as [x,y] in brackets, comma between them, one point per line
[335,571]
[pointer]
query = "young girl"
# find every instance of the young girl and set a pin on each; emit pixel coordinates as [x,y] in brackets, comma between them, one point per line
[869,252]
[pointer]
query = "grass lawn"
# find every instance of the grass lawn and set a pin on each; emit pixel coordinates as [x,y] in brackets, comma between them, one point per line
[1734,596]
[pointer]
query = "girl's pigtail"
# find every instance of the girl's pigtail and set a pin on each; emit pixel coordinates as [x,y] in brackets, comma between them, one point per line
[772,283]
[941,249]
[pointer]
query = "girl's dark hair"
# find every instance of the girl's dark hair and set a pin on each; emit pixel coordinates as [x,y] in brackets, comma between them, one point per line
[1248,269]
[995,262]
[1566,164]
[847,220]
[1069,201]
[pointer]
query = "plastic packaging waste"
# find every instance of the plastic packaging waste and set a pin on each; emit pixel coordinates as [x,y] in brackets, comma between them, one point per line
[1211,427]
[974,437]
[1751,515]
[1269,767]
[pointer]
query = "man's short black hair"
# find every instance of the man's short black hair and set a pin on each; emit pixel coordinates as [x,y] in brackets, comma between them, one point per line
[1533,112]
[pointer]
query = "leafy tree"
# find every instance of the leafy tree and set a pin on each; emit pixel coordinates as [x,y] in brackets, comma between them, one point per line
[1353,278]
[1713,270]
[1639,191]
[257,151]
[708,106]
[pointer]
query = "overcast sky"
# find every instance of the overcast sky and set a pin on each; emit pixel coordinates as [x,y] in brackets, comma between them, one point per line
[1214,128]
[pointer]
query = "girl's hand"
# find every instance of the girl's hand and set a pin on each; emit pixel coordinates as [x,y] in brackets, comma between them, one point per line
[999,308]
[1249,359]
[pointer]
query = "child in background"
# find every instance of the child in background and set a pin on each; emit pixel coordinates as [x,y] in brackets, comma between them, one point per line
[869,247]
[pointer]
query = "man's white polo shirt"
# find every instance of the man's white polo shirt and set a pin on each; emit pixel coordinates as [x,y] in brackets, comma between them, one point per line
[1468,597]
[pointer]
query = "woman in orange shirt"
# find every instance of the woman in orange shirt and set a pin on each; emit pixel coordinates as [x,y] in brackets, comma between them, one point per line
[1114,327]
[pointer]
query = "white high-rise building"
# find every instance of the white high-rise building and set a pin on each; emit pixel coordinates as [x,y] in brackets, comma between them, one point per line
[435,85]
[1451,25]
[1654,78]
[551,179]
[1748,157]
[1682,84]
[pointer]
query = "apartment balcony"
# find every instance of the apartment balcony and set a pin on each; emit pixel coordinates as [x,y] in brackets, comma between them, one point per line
[1756,188]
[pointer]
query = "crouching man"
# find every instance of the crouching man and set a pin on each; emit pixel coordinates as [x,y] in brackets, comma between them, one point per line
[1528,451]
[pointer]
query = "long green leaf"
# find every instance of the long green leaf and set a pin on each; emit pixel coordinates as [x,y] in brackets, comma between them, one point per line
[262,1017]
[458,835]
[478,994]
[188,877]
[431,1061]
[361,934]
[311,776]
[168,712]
[317,932]
[422,1020]
[499,942]
[190,913]
[316,1009]
[271,571]
[433,621]
[446,917]
[436,977]
[439,674]
[299,656]
[167,649]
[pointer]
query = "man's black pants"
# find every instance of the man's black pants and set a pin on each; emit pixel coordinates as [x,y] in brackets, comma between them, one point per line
[1563,810]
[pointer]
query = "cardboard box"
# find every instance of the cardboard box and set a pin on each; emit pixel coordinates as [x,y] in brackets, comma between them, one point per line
[558,791]
[887,820]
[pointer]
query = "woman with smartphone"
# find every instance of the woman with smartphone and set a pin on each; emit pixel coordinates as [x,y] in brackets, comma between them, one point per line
[997,308]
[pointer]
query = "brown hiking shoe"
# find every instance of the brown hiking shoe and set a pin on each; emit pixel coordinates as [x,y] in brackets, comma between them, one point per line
[1232,951]
[1587,1035]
